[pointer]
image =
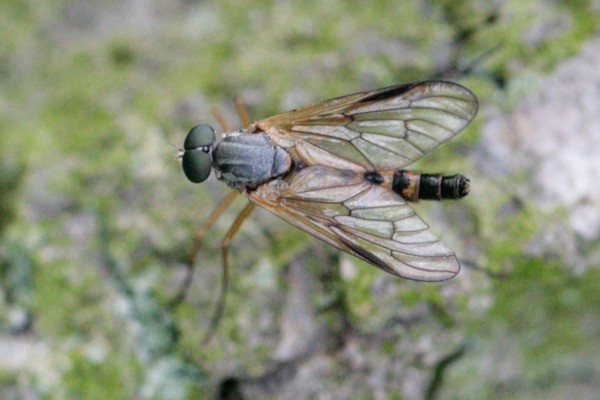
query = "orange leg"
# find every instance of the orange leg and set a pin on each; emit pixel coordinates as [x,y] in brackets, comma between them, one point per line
[219,117]
[243,113]
[214,216]
[241,110]
[220,307]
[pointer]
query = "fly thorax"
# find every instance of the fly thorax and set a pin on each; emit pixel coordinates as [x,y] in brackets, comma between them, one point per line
[248,160]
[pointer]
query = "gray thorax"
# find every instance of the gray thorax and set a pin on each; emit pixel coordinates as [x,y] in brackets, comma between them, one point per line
[245,160]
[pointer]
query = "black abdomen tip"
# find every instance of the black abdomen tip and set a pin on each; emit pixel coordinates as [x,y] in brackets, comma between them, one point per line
[455,187]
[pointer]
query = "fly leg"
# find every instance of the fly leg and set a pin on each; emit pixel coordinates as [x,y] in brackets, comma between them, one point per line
[220,307]
[189,271]
[219,117]
[241,110]
[243,113]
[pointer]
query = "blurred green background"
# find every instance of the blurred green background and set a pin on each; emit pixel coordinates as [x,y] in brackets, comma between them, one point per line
[97,218]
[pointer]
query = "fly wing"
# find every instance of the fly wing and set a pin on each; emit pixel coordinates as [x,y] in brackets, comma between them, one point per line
[366,220]
[383,129]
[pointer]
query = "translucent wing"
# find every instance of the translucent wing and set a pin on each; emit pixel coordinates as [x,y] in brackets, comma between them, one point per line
[366,220]
[383,129]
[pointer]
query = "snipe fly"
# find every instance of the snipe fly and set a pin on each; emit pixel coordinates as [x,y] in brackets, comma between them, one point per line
[335,170]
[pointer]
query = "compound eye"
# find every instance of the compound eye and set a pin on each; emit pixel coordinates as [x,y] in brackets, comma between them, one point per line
[199,136]
[196,165]
[197,156]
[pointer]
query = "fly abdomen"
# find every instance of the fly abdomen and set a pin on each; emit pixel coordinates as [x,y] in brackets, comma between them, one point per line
[414,186]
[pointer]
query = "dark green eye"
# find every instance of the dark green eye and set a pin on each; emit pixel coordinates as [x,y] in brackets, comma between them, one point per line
[197,155]
[199,136]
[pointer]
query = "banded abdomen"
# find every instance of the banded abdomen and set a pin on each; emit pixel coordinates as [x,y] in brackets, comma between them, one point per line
[414,186]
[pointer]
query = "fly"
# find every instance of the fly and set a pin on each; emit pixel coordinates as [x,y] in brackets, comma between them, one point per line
[335,169]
